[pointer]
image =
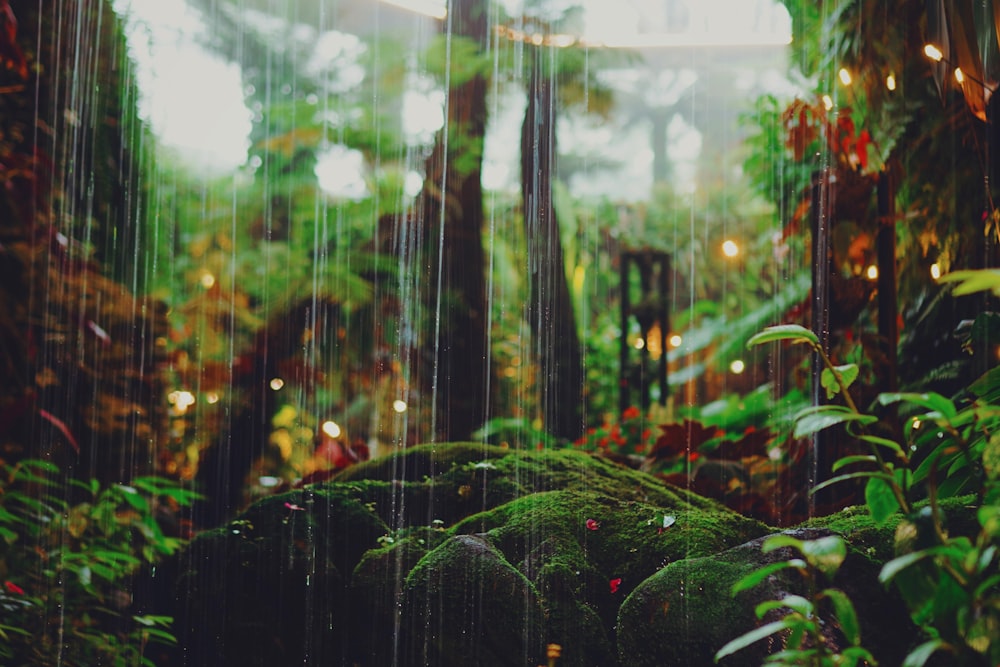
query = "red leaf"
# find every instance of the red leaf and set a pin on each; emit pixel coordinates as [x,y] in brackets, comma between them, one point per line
[678,439]
[59,424]
[862,148]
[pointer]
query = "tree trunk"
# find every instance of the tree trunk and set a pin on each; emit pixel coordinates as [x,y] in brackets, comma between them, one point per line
[455,355]
[550,307]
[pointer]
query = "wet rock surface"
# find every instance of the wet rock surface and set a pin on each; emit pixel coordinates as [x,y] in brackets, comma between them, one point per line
[468,554]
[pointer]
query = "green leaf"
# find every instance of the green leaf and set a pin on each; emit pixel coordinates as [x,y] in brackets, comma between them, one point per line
[897,565]
[793,333]
[796,603]
[972,281]
[884,442]
[880,499]
[989,519]
[755,635]
[848,460]
[762,573]
[857,654]
[816,418]
[826,554]
[846,615]
[780,540]
[918,657]
[987,387]
[932,401]
[861,474]
[828,378]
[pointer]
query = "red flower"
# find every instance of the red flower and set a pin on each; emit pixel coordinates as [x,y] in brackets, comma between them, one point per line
[615,583]
[631,412]
[13,588]
[592,524]
[293,507]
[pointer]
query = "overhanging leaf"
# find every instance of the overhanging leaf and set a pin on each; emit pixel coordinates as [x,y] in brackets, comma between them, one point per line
[848,460]
[815,419]
[762,573]
[794,333]
[755,635]
[826,554]
[931,401]
[919,656]
[973,280]
[881,500]
[846,615]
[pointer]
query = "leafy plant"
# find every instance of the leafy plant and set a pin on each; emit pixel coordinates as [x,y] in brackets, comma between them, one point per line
[67,566]
[950,583]
[806,643]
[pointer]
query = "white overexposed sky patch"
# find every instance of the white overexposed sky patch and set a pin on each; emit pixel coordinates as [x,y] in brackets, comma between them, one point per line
[192,99]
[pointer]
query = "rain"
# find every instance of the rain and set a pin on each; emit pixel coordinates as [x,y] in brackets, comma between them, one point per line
[499,332]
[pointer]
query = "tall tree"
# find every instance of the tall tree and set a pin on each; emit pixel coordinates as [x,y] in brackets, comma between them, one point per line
[550,308]
[450,207]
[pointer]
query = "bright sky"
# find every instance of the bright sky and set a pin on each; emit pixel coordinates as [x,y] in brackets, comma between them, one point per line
[194,100]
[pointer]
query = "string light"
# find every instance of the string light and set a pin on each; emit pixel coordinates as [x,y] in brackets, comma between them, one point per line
[933,52]
[828,102]
[935,270]
[845,76]
[890,81]
[729,248]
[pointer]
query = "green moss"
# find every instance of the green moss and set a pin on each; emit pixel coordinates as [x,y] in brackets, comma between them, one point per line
[683,614]
[876,541]
[464,604]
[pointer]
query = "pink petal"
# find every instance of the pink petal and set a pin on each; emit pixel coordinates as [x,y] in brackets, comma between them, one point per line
[592,524]
[615,583]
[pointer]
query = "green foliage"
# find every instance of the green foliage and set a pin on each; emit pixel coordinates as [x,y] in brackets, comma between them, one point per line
[801,625]
[950,583]
[67,565]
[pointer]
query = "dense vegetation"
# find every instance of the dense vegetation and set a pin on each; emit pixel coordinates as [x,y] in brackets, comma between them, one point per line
[203,330]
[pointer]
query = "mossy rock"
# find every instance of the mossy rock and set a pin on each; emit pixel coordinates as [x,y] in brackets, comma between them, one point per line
[472,554]
[270,587]
[686,612]
[445,554]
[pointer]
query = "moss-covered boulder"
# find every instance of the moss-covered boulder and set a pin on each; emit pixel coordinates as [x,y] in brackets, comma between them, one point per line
[446,555]
[686,612]
[467,554]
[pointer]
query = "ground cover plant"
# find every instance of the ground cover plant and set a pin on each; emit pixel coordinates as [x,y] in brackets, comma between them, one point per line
[950,581]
